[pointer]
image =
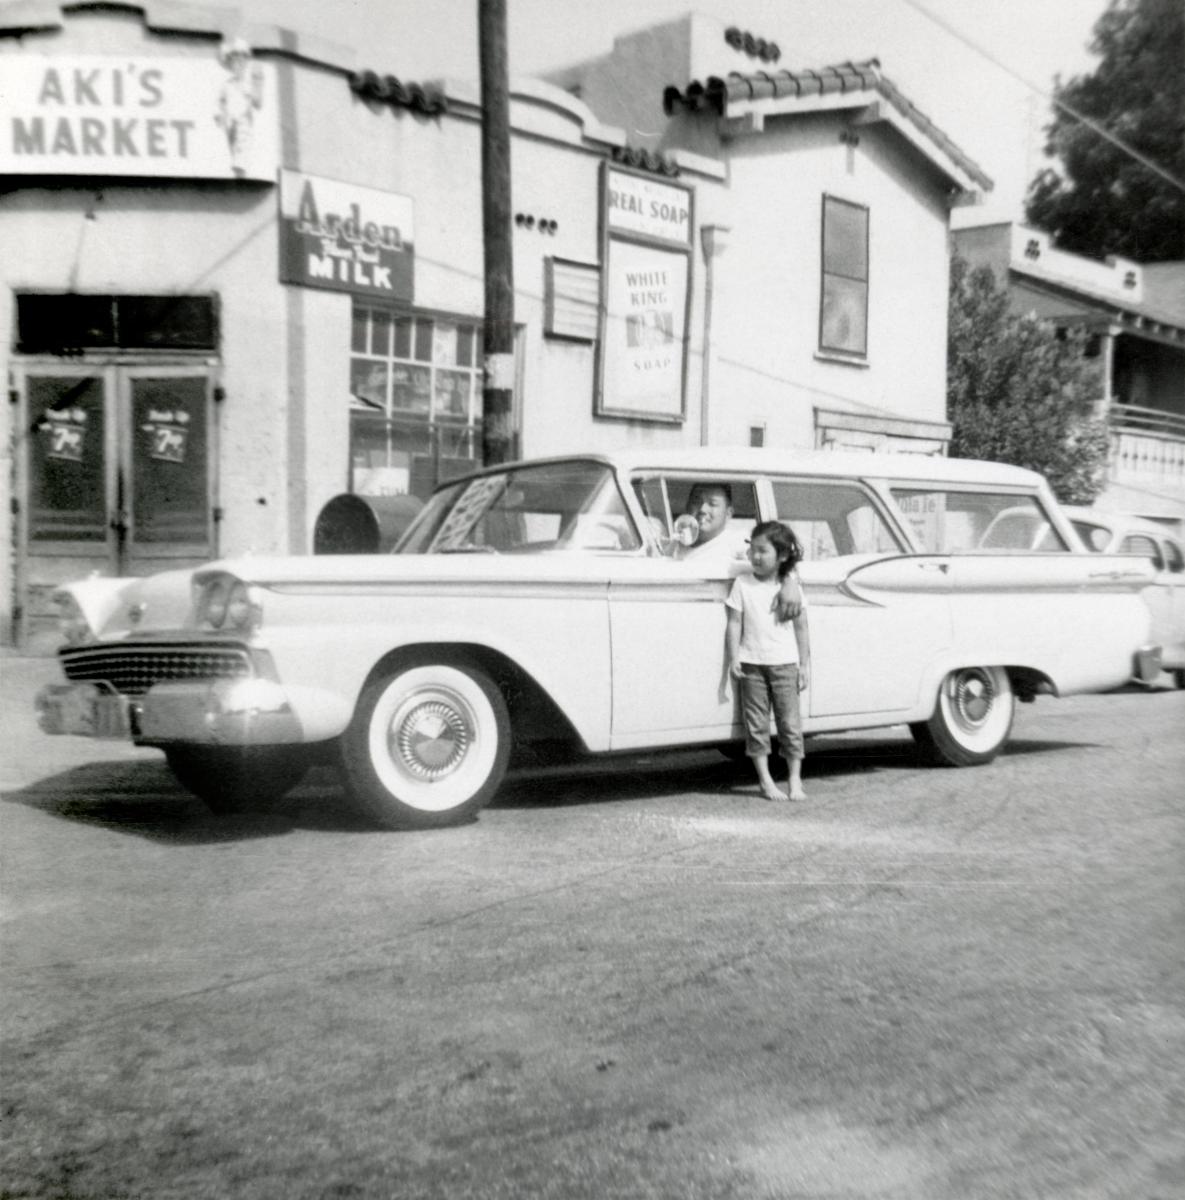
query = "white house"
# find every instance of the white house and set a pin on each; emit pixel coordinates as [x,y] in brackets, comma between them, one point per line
[827,274]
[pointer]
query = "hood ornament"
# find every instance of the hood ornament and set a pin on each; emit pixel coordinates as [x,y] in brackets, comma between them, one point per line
[136,612]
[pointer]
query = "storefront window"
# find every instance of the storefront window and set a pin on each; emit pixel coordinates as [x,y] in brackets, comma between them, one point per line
[415,402]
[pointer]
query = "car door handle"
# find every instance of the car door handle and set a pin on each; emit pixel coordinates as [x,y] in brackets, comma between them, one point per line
[935,566]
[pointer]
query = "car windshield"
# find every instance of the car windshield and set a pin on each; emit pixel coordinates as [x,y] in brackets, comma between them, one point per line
[567,506]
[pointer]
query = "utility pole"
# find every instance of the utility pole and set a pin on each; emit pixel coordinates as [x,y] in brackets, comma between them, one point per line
[497,407]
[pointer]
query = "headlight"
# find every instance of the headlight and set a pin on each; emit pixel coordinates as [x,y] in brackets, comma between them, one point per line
[72,623]
[238,607]
[228,604]
[214,604]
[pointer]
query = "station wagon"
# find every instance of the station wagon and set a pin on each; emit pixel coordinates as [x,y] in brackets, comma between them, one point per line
[554,604]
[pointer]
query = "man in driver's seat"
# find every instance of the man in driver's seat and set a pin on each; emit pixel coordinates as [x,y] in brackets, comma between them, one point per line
[710,504]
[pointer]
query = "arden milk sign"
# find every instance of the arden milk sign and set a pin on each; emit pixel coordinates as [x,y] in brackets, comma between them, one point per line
[148,117]
[345,238]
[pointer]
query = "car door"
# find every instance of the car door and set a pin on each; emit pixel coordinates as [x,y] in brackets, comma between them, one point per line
[878,615]
[667,621]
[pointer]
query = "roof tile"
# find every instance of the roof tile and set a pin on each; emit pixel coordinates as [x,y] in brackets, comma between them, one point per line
[716,94]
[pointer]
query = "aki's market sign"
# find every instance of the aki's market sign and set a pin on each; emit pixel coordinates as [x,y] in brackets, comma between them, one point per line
[211,118]
[346,238]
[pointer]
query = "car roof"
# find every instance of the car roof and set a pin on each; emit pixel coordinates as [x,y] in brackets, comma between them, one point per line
[743,460]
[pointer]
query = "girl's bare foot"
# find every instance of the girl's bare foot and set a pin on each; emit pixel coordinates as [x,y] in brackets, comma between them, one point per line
[770,792]
[797,793]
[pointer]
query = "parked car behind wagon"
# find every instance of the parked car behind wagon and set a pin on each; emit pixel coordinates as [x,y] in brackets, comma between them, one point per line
[1114,533]
[554,601]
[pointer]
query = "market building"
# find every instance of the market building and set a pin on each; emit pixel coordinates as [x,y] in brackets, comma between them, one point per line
[241,274]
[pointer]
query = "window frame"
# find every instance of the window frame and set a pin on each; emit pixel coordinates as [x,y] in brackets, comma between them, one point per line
[887,520]
[843,353]
[436,424]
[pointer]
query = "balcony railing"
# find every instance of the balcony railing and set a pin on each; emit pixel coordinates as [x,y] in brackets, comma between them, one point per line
[1148,447]
[1147,420]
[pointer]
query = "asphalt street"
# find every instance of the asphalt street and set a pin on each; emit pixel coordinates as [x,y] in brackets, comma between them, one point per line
[635,979]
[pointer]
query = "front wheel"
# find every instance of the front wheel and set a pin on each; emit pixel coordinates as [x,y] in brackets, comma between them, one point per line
[972,718]
[428,745]
[231,779]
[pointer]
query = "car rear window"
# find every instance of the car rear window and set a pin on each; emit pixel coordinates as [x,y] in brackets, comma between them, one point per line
[947,521]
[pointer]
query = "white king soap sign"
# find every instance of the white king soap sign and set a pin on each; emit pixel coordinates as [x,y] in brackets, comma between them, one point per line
[345,238]
[155,117]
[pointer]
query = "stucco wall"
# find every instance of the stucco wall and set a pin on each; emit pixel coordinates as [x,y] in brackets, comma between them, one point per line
[767,296]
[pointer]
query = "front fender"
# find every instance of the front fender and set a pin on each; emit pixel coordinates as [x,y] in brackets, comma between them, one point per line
[570,664]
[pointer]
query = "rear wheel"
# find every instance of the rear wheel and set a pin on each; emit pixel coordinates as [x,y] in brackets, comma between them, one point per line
[428,745]
[972,718]
[233,779]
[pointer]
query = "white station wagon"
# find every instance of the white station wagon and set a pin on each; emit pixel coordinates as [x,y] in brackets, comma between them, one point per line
[552,603]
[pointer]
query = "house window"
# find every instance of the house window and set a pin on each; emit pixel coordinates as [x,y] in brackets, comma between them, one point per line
[415,401]
[72,323]
[843,316]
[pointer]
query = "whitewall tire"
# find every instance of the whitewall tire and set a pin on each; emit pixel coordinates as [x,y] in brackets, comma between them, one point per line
[428,745]
[972,718]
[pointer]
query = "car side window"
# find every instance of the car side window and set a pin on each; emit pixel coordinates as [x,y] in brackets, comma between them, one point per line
[831,519]
[954,522]
[663,498]
[1145,546]
[1174,557]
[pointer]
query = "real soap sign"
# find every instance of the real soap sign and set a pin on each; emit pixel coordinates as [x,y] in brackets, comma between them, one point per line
[345,238]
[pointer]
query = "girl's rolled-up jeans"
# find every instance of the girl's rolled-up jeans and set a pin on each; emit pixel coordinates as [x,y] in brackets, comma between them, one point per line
[760,686]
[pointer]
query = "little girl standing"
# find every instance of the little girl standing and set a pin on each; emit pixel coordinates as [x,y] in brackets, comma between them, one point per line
[770,658]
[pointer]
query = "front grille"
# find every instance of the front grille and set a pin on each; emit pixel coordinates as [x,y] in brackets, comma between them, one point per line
[133,668]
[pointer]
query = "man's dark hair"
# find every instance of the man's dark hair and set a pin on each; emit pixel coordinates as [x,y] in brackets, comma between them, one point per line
[711,485]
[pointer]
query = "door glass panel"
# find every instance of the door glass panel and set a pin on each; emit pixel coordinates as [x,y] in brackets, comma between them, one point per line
[951,522]
[831,519]
[67,456]
[169,456]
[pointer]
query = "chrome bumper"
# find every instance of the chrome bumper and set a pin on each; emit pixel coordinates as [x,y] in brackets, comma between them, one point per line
[225,712]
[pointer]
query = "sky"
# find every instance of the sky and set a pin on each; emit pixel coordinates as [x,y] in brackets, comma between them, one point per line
[984,79]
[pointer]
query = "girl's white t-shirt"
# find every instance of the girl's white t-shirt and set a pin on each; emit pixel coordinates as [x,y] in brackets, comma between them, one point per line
[765,640]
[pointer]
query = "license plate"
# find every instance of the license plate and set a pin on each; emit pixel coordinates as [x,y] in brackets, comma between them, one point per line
[85,710]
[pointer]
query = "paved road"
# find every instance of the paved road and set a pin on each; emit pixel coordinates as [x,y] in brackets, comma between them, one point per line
[643,982]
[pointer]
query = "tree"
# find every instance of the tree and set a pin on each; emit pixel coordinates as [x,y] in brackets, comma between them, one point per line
[1103,200]
[1021,391]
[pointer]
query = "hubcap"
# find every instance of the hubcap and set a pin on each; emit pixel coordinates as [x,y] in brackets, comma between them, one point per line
[973,697]
[430,739]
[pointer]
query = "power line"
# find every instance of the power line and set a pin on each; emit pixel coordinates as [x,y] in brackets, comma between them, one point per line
[1093,126]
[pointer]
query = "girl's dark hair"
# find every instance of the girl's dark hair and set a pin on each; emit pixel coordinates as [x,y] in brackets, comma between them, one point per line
[786,545]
